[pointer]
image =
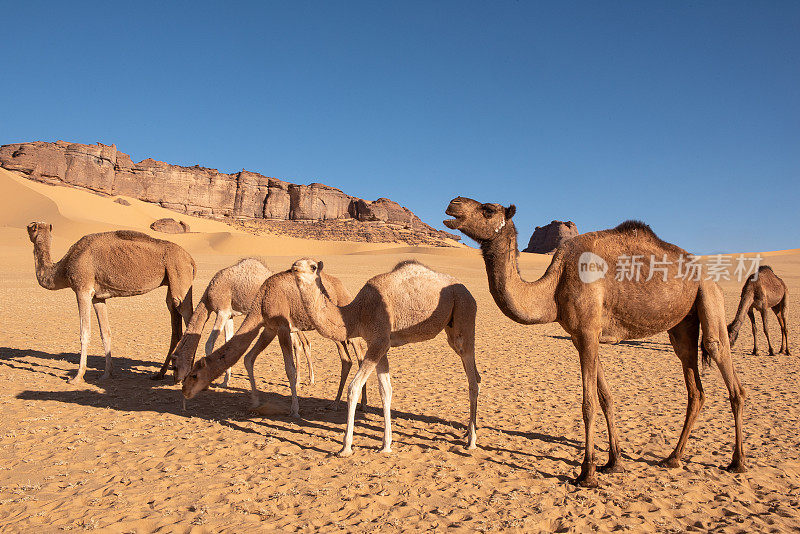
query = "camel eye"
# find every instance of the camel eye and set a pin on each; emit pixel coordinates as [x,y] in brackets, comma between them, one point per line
[313,268]
[487,212]
[194,376]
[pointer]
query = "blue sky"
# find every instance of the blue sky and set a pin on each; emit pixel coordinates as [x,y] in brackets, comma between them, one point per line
[683,114]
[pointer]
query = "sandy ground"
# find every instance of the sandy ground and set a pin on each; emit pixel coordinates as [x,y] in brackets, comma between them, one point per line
[123,456]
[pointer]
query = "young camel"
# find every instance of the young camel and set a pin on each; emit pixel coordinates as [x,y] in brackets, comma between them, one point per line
[603,309]
[230,293]
[277,309]
[115,264]
[409,304]
[762,291]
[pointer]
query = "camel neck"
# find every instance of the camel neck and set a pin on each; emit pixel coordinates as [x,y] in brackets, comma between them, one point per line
[45,268]
[330,320]
[524,302]
[745,303]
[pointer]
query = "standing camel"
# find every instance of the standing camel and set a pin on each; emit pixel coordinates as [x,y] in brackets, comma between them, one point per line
[115,264]
[609,309]
[229,293]
[762,291]
[409,304]
[277,309]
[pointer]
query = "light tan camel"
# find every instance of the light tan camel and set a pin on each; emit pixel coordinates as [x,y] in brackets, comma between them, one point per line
[409,304]
[230,293]
[595,306]
[115,264]
[762,291]
[277,309]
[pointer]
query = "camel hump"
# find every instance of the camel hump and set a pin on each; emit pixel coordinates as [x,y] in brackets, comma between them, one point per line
[633,226]
[408,263]
[133,235]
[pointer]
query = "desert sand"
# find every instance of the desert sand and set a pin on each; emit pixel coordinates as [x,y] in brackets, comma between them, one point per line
[124,456]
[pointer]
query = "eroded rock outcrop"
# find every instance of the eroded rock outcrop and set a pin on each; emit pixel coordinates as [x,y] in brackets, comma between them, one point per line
[545,239]
[199,190]
[169,225]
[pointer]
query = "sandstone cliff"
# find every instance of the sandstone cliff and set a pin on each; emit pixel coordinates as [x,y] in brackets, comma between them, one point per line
[545,239]
[202,191]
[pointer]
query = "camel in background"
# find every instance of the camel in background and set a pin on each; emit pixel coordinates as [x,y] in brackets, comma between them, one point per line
[115,264]
[762,291]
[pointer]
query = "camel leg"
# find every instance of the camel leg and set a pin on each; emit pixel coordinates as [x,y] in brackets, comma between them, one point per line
[85,315]
[228,330]
[715,340]
[764,315]
[780,315]
[249,363]
[684,341]
[346,365]
[385,389]
[588,345]
[375,351]
[752,316]
[219,324]
[463,343]
[614,464]
[101,311]
[306,346]
[285,340]
[177,332]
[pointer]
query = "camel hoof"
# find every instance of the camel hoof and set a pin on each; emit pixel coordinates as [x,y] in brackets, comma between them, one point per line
[612,468]
[295,415]
[344,453]
[106,376]
[670,463]
[587,481]
[157,376]
[771,352]
[386,450]
[334,407]
[76,381]
[736,467]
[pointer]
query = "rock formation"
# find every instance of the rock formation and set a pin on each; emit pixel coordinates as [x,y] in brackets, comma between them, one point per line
[545,239]
[199,190]
[170,226]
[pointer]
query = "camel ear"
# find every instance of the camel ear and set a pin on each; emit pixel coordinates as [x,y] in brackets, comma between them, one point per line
[510,211]
[31,227]
[319,266]
[50,226]
[202,363]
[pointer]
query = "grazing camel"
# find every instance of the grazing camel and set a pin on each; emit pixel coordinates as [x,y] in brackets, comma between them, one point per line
[762,291]
[409,304]
[115,264]
[277,309]
[229,293]
[597,308]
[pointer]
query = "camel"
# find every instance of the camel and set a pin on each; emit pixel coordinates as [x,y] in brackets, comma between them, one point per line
[115,264]
[761,291]
[409,304]
[594,308]
[230,293]
[277,309]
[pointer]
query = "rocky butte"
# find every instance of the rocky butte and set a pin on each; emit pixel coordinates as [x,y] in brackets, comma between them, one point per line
[241,196]
[545,239]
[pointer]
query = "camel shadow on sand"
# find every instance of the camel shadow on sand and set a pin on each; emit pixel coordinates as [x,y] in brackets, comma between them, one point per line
[131,391]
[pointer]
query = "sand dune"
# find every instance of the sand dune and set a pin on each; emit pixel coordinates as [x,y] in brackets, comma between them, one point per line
[123,456]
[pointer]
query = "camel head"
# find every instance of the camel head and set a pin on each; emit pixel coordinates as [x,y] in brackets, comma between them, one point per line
[39,229]
[481,222]
[198,379]
[307,271]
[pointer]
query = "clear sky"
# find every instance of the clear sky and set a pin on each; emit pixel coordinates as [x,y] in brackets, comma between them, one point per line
[683,114]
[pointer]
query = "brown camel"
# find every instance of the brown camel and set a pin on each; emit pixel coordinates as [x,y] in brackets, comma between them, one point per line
[230,293]
[409,304]
[762,291]
[115,264]
[277,309]
[594,308]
